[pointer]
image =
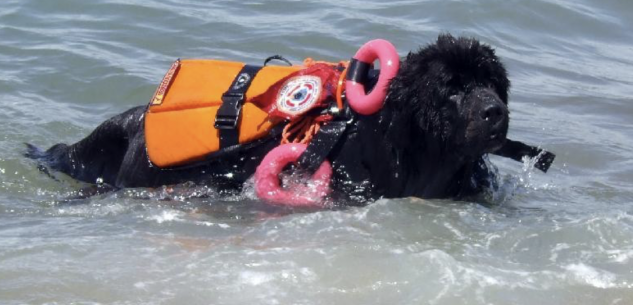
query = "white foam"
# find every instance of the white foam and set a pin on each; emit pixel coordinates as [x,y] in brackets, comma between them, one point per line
[167,216]
[620,256]
[254,278]
[591,276]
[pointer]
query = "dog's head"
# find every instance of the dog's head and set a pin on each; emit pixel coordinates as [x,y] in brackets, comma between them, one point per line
[457,91]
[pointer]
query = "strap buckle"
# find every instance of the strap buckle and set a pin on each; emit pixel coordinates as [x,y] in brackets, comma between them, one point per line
[228,114]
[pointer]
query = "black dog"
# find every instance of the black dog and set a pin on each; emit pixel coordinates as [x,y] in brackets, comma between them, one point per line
[444,111]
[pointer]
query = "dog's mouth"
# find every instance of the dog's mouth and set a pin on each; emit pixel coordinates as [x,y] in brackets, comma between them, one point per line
[495,142]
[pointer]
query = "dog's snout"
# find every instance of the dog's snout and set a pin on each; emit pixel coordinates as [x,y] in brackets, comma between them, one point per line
[492,113]
[488,109]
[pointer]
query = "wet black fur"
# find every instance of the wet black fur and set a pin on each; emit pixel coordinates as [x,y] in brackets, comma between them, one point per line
[445,110]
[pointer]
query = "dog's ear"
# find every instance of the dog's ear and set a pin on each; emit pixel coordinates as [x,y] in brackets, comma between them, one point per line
[399,112]
[408,94]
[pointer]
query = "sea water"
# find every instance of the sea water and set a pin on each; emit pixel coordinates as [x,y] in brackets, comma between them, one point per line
[565,237]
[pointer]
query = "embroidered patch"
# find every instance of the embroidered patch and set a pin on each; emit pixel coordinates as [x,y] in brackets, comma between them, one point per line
[159,95]
[299,94]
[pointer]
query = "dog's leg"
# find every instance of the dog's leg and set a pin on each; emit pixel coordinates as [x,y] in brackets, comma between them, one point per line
[97,158]
[80,196]
[516,150]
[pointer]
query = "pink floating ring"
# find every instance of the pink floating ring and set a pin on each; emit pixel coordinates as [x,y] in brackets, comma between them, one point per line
[367,104]
[267,186]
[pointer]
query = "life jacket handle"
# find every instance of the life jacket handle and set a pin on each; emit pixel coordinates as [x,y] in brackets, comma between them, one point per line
[276,57]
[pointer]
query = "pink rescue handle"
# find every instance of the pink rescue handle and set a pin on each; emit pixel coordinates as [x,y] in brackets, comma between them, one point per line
[389,64]
[267,179]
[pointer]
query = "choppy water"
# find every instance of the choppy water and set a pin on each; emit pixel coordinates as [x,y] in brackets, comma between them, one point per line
[561,238]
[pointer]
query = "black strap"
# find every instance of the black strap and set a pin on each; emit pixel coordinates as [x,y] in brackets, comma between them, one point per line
[515,150]
[321,145]
[228,115]
[357,71]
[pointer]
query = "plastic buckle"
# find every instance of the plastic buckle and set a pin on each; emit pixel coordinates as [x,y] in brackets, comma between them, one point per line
[228,114]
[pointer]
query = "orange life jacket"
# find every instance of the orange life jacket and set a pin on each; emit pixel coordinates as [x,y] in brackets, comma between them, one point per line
[179,123]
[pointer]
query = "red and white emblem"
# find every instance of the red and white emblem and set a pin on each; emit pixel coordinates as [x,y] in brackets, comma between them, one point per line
[299,94]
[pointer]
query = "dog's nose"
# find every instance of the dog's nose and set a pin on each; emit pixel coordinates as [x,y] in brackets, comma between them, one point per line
[492,113]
